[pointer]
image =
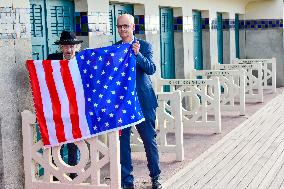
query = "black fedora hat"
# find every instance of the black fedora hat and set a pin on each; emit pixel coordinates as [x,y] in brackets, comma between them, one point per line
[68,38]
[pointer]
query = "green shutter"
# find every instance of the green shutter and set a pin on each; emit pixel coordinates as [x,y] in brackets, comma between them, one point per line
[167,44]
[60,16]
[48,20]
[220,37]
[38,29]
[197,40]
[237,35]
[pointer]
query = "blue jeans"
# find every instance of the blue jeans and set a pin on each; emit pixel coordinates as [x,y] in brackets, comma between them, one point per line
[148,135]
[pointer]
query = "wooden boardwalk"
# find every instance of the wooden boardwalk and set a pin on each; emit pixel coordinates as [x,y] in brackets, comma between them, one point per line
[251,156]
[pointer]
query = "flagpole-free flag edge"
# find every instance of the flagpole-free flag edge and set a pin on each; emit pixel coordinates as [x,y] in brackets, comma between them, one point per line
[91,90]
[96,134]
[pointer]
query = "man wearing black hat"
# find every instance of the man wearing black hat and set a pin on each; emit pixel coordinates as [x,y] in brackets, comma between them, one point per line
[68,44]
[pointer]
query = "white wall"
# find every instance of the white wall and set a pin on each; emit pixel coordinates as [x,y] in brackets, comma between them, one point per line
[264,10]
[15,49]
[211,7]
[235,6]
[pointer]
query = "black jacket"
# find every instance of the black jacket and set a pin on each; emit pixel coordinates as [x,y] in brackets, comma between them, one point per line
[55,56]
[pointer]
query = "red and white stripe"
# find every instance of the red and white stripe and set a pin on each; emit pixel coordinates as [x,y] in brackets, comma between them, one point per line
[59,100]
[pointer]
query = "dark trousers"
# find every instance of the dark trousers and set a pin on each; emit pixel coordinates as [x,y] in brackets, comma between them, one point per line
[72,157]
[72,154]
[148,135]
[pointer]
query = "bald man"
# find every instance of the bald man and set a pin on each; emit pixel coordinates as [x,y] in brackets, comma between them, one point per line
[144,67]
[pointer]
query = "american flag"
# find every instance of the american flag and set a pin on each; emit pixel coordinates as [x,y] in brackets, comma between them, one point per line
[92,94]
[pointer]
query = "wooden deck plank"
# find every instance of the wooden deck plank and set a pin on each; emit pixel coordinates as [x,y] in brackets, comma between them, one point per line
[250,161]
[226,159]
[242,159]
[271,168]
[251,146]
[224,150]
[225,162]
[234,135]
[235,172]
[278,180]
[218,154]
[255,170]
[241,169]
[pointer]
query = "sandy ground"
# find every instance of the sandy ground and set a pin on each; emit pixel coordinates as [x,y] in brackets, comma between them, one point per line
[195,143]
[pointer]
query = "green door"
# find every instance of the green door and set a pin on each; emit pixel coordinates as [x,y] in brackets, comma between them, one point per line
[220,37]
[60,16]
[38,29]
[237,35]
[167,43]
[116,10]
[197,40]
[48,19]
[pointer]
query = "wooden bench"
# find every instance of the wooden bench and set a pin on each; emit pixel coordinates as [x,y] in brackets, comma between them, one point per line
[253,83]
[204,110]
[169,120]
[94,155]
[268,69]
[232,87]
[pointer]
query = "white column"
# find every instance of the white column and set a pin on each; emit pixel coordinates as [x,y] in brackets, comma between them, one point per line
[152,35]
[98,22]
[188,43]
[213,37]
[15,49]
[232,36]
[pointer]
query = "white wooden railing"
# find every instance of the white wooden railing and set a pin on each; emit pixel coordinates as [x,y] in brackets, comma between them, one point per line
[253,83]
[204,108]
[94,155]
[169,120]
[232,87]
[268,69]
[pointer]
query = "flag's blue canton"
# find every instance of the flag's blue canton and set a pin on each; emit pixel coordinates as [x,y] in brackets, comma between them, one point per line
[108,75]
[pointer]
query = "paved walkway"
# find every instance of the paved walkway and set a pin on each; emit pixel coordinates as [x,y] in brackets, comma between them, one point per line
[251,156]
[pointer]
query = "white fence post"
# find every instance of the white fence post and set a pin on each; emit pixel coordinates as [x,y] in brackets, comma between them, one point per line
[274,74]
[268,69]
[169,119]
[254,88]
[173,121]
[94,155]
[233,85]
[115,168]
[203,103]
[27,119]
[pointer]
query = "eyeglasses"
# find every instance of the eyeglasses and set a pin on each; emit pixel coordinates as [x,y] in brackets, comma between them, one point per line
[124,26]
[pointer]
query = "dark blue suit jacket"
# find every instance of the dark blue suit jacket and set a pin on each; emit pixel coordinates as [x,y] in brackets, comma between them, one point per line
[145,67]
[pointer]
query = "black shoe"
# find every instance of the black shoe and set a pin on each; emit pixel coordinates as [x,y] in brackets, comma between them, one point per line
[55,179]
[155,183]
[73,175]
